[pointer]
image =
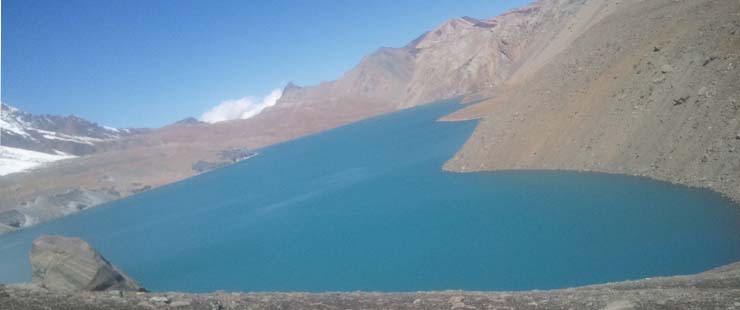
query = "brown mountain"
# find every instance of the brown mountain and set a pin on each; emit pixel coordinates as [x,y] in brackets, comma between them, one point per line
[637,87]
[648,88]
[459,57]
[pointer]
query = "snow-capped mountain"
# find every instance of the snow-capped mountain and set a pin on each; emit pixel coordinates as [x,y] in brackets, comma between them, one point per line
[51,134]
[28,140]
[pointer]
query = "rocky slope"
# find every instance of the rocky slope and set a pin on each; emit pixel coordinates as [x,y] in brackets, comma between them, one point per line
[459,57]
[715,289]
[646,88]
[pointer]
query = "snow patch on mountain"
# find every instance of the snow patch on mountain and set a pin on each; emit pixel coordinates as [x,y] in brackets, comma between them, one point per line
[13,125]
[53,134]
[14,160]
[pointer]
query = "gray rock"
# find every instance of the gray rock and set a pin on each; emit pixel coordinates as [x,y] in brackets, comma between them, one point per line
[12,218]
[225,157]
[180,303]
[159,300]
[71,264]
[235,154]
[620,305]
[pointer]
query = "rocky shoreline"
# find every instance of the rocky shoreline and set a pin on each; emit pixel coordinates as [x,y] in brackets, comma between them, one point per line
[662,103]
[69,274]
[715,289]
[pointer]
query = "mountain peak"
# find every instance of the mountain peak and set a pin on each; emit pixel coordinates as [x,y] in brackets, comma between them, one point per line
[456,23]
[290,88]
[451,30]
[6,108]
[459,23]
[189,121]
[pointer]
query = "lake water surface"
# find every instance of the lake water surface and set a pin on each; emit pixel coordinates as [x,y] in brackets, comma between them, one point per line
[367,207]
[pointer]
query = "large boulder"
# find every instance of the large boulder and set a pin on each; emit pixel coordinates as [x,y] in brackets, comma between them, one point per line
[71,264]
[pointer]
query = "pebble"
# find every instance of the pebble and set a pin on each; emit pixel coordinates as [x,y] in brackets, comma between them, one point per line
[180,303]
[160,300]
[457,302]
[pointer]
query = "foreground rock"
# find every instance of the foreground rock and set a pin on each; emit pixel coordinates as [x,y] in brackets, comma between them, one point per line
[71,264]
[715,289]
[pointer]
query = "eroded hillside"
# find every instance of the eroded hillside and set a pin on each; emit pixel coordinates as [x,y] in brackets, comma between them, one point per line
[650,89]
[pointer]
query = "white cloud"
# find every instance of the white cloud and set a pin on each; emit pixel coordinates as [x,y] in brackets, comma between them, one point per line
[241,108]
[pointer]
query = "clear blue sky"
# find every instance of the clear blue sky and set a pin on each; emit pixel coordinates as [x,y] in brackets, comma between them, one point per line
[151,62]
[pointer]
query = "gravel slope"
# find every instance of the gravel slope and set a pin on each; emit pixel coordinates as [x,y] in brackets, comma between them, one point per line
[651,88]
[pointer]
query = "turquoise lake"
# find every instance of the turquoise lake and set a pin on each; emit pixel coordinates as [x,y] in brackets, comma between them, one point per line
[367,207]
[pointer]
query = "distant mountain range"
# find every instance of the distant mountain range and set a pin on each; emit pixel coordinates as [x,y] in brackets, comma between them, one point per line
[29,141]
[56,135]
[459,57]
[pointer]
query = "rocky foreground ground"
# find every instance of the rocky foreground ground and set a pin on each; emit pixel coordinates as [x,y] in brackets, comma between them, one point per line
[68,273]
[715,289]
